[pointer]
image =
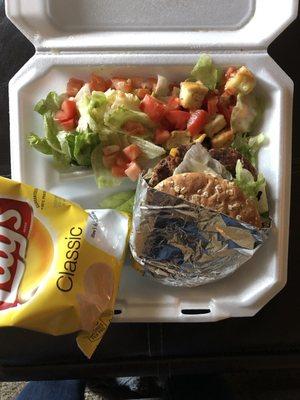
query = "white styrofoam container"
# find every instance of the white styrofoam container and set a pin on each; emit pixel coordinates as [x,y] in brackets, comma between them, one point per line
[76,37]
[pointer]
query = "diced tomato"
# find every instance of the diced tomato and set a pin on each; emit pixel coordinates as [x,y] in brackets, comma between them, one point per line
[122,160]
[60,116]
[212,102]
[197,121]
[132,152]
[161,136]
[68,124]
[178,118]
[73,86]
[68,107]
[66,117]
[133,128]
[107,150]
[173,103]
[98,83]
[121,84]
[117,171]
[133,171]
[109,160]
[154,108]
[141,93]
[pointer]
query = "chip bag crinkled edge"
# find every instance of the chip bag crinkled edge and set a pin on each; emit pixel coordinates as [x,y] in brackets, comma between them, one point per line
[60,266]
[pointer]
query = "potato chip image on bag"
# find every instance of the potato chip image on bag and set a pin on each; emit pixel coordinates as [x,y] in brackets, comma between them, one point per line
[59,265]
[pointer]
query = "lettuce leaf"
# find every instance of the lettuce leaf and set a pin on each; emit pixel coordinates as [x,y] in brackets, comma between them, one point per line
[38,143]
[116,118]
[84,144]
[121,201]
[244,114]
[205,72]
[249,146]
[245,181]
[51,103]
[162,87]
[151,153]
[103,176]
[150,150]
[117,98]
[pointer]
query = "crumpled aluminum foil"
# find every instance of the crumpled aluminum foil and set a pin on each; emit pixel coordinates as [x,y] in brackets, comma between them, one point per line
[181,244]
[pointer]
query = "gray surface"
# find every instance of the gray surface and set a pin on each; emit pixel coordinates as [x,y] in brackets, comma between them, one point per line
[89,15]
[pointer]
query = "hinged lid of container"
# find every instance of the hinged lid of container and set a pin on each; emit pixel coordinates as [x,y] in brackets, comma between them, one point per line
[151,24]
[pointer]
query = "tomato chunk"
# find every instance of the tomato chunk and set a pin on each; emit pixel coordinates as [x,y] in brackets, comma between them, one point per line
[109,160]
[107,150]
[173,103]
[134,128]
[154,108]
[68,124]
[161,136]
[98,83]
[197,121]
[117,171]
[132,152]
[178,118]
[68,107]
[73,86]
[133,171]
[122,160]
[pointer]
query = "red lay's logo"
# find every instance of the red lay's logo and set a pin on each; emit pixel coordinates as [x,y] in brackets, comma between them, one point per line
[15,224]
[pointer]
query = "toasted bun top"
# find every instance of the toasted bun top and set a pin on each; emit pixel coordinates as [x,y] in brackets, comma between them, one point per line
[215,193]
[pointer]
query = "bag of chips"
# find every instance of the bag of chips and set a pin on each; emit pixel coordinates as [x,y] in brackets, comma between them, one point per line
[59,264]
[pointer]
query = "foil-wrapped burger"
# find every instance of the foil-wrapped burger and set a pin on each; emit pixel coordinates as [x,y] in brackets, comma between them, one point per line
[192,222]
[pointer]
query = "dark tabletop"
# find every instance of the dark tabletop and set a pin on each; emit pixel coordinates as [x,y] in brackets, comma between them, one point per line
[269,340]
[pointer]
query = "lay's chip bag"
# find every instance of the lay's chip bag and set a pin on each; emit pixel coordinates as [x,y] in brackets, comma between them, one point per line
[59,265]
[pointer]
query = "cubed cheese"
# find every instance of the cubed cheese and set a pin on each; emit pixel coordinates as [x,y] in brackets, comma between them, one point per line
[242,82]
[215,125]
[192,94]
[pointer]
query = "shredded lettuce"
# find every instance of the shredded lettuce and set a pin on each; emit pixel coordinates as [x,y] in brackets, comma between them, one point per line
[150,154]
[150,150]
[116,118]
[51,103]
[83,108]
[85,142]
[245,181]
[39,143]
[205,72]
[103,176]
[121,201]
[162,87]
[96,110]
[249,146]
[117,98]
[244,113]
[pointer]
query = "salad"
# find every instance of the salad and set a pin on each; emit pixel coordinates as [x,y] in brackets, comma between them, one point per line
[121,126]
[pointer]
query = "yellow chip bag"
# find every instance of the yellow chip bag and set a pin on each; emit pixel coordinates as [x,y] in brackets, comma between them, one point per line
[59,265]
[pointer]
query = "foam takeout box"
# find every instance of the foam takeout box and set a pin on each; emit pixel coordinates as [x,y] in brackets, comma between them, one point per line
[137,37]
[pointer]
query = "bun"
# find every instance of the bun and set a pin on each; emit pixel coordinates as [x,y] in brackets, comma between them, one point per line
[215,193]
